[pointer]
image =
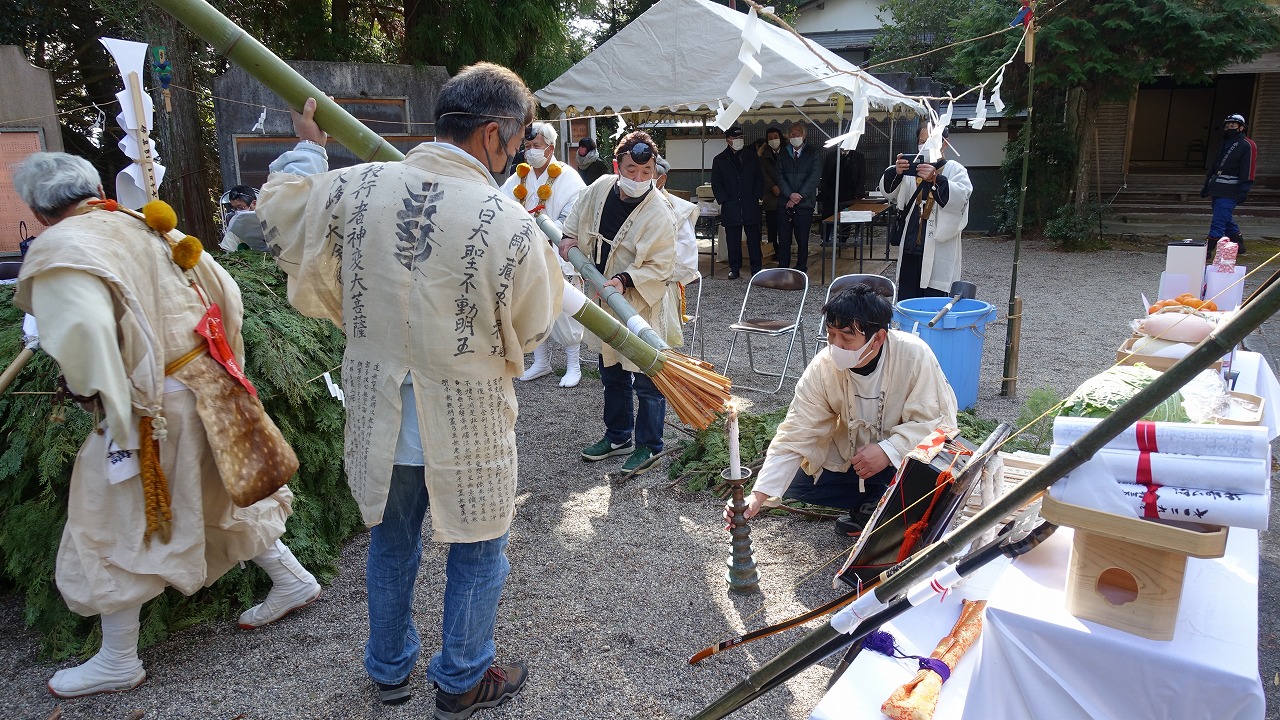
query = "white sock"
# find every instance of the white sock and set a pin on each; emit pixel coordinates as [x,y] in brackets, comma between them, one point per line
[292,587]
[116,667]
[541,364]
[572,367]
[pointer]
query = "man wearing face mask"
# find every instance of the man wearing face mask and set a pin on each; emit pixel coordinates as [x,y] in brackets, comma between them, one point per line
[769,176]
[440,283]
[590,166]
[737,184]
[934,198]
[548,187]
[629,231]
[863,403]
[1229,180]
[799,170]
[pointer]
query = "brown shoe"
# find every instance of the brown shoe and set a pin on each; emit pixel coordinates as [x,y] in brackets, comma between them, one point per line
[499,684]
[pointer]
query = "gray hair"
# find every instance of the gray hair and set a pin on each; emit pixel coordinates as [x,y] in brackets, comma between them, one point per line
[547,131]
[662,167]
[51,182]
[480,94]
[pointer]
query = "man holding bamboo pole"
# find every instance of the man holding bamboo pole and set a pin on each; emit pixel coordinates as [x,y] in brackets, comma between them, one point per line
[441,283]
[629,231]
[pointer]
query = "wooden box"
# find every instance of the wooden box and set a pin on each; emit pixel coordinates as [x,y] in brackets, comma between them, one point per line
[1125,355]
[1127,573]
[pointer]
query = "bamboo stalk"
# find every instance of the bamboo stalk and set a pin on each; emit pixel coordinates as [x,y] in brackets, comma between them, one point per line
[14,368]
[809,649]
[695,393]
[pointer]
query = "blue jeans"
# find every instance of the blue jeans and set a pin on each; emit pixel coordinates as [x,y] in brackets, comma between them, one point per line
[474,576]
[839,489]
[618,408]
[1222,224]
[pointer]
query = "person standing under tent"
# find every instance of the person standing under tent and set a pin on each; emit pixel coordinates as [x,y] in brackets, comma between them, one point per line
[799,170]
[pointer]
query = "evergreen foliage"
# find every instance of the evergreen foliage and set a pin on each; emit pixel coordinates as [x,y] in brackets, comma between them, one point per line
[283,352]
[705,455]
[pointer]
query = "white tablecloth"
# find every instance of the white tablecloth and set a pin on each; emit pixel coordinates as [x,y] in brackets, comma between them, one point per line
[1036,661]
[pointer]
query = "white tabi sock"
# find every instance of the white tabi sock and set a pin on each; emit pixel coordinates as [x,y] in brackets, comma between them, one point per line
[115,668]
[572,367]
[541,364]
[292,587]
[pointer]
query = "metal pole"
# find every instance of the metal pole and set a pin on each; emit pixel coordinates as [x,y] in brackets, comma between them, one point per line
[1009,384]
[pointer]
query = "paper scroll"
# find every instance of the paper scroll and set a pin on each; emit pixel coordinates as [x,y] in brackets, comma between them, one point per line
[1237,441]
[1211,507]
[1227,474]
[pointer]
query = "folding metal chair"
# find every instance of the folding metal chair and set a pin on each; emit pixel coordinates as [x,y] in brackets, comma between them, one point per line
[769,288]
[881,284]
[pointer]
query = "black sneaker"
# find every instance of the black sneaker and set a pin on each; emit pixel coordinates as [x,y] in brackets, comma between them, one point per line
[499,684]
[393,694]
[734,275]
[852,525]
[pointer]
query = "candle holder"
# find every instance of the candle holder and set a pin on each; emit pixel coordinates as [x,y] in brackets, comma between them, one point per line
[742,575]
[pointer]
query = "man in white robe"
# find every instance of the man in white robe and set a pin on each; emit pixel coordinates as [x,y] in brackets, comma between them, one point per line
[440,283]
[860,406]
[120,317]
[541,174]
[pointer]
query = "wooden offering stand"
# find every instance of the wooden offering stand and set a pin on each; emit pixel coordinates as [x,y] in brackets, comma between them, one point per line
[1127,573]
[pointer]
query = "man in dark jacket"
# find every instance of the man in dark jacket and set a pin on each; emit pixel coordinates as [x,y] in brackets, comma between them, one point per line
[852,169]
[737,184]
[1229,180]
[590,166]
[799,169]
[769,171]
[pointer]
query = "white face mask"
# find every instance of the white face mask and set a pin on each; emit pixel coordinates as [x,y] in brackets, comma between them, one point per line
[797,142]
[737,144]
[850,359]
[634,188]
[537,157]
[775,143]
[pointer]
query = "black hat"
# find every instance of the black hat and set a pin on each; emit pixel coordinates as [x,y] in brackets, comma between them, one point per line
[587,143]
[733,132]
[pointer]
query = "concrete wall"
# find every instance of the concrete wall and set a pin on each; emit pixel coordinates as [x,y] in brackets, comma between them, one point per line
[830,15]
[400,98]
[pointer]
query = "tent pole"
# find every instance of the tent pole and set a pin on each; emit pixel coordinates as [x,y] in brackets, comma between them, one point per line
[702,178]
[835,226]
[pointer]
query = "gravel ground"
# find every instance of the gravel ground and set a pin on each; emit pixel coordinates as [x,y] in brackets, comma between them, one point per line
[615,583]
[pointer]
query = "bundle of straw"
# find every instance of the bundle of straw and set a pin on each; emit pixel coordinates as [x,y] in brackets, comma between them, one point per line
[694,390]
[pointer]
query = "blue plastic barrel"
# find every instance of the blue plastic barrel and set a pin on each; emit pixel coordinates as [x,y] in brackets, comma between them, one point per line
[956,340]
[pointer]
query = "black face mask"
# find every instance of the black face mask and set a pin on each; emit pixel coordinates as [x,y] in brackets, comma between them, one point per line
[1230,134]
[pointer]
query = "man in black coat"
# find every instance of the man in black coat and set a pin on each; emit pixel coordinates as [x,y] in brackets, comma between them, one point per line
[1229,180]
[738,185]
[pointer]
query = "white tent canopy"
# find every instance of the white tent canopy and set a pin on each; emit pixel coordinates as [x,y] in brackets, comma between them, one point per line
[682,56]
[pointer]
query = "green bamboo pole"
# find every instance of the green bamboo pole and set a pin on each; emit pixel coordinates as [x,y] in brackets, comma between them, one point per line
[242,49]
[596,283]
[606,327]
[920,566]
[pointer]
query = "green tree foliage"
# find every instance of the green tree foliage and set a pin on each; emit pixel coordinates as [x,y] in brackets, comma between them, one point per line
[283,352]
[910,31]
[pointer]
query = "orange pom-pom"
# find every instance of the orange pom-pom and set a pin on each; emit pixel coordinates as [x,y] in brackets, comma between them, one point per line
[544,192]
[521,192]
[160,216]
[187,252]
[111,205]
[554,171]
[523,170]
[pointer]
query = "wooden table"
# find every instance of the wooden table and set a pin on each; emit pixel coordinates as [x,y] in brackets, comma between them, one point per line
[877,210]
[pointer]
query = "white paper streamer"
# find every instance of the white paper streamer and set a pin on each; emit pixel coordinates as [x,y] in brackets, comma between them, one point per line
[1227,474]
[980,114]
[334,390]
[30,332]
[261,125]
[995,90]
[131,186]
[741,94]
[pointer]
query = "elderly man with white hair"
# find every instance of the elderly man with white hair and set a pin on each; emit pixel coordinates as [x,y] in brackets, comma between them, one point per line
[549,187]
[120,316]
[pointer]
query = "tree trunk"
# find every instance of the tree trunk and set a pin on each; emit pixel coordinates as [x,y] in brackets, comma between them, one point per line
[1082,117]
[180,137]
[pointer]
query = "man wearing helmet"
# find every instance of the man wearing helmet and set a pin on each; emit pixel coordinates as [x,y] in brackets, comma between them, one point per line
[1229,179]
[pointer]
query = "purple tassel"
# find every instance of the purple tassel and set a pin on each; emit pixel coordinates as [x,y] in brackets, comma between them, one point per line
[885,644]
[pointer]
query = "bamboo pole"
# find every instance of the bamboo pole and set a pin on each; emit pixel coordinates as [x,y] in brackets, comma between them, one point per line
[14,368]
[1009,386]
[694,391]
[921,565]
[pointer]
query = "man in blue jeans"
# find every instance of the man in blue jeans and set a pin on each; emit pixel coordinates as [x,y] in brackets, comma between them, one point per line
[440,283]
[1229,180]
[863,403]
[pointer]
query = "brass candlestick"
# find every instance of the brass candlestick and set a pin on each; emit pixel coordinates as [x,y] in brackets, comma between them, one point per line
[742,574]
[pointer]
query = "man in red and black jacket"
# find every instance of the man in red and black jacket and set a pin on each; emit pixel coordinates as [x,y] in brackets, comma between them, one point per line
[1229,179]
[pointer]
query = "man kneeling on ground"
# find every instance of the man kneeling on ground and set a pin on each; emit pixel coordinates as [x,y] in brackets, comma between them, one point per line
[863,403]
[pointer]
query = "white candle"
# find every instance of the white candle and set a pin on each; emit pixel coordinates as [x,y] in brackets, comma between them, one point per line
[735,456]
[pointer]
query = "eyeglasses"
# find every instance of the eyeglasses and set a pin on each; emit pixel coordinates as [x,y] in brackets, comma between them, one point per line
[641,152]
